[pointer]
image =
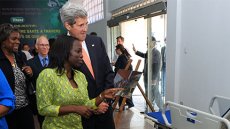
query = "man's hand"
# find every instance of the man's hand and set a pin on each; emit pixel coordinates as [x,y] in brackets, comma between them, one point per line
[113,63]
[134,49]
[102,108]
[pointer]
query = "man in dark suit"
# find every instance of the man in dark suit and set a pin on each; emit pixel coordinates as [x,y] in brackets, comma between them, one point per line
[156,63]
[100,74]
[38,63]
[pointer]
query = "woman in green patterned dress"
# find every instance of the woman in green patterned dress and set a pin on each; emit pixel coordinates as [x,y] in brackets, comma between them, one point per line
[62,95]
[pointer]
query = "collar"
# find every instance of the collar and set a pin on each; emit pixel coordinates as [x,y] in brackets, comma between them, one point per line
[68,34]
[40,57]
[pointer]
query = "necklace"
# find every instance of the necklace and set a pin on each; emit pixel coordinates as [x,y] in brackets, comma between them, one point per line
[12,60]
[14,64]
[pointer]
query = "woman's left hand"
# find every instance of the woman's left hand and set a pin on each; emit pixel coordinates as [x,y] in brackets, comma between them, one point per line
[102,108]
[27,70]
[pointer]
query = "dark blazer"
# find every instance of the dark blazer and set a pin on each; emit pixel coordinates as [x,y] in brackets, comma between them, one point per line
[103,72]
[104,76]
[156,63]
[121,63]
[6,67]
[144,55]
[36,66]
[163,56]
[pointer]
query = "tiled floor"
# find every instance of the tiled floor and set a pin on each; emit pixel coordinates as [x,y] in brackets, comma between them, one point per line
[131,119]
[139,102]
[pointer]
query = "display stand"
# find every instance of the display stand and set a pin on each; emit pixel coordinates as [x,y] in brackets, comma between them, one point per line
[131,90]
[118,97]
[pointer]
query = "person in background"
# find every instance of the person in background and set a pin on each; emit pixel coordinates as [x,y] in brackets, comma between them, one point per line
[123,57]
[34,52]
[156,66]
[62,95]
[121,63]
[26,47]
[96,66]
[51,42]
[38,63]
[20,54]
[26,50]
[163,69]
[93,33]
[17,75]
[120,40]
[7,100]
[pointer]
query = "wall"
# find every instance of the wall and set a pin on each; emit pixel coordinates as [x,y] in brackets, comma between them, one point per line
[101,26]
[77,1]
[197,49]
[115,4]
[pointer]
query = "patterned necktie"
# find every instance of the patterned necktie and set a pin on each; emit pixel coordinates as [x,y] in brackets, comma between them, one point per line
[44,62]
[87,61]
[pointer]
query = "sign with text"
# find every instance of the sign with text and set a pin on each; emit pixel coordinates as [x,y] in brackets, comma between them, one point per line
[33,17]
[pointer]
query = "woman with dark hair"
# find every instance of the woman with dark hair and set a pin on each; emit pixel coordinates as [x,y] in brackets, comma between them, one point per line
[122,60]
[17,74]
[62,95]
[123,57]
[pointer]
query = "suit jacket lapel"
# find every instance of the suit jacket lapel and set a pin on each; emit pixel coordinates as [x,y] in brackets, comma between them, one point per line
[38,63]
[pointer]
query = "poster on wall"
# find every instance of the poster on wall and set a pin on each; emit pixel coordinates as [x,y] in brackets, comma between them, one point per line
[33,17]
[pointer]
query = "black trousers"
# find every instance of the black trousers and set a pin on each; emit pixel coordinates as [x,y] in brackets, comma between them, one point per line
[33,107]
[21,119]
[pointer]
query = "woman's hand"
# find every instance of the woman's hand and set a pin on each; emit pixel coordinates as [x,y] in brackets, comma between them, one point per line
[102,108]
[134,49]
[84,111]
[107,94]
[27,70]
[3,110]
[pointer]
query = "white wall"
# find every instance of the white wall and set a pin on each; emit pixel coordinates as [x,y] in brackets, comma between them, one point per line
[101,26]
[114,4]
[197,51]
[77,1]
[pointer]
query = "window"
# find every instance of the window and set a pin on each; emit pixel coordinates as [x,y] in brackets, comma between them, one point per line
[95,10]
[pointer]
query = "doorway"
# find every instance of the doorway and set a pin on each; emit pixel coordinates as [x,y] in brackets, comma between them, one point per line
[135,33]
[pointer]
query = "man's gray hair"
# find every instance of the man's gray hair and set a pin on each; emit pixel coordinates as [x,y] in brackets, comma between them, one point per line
[70,11]
[40,36]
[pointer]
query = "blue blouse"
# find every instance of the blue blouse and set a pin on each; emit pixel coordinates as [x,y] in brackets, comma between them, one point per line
[6,98]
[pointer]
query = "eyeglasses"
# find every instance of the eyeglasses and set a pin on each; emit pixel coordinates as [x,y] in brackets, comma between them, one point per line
[44,45]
